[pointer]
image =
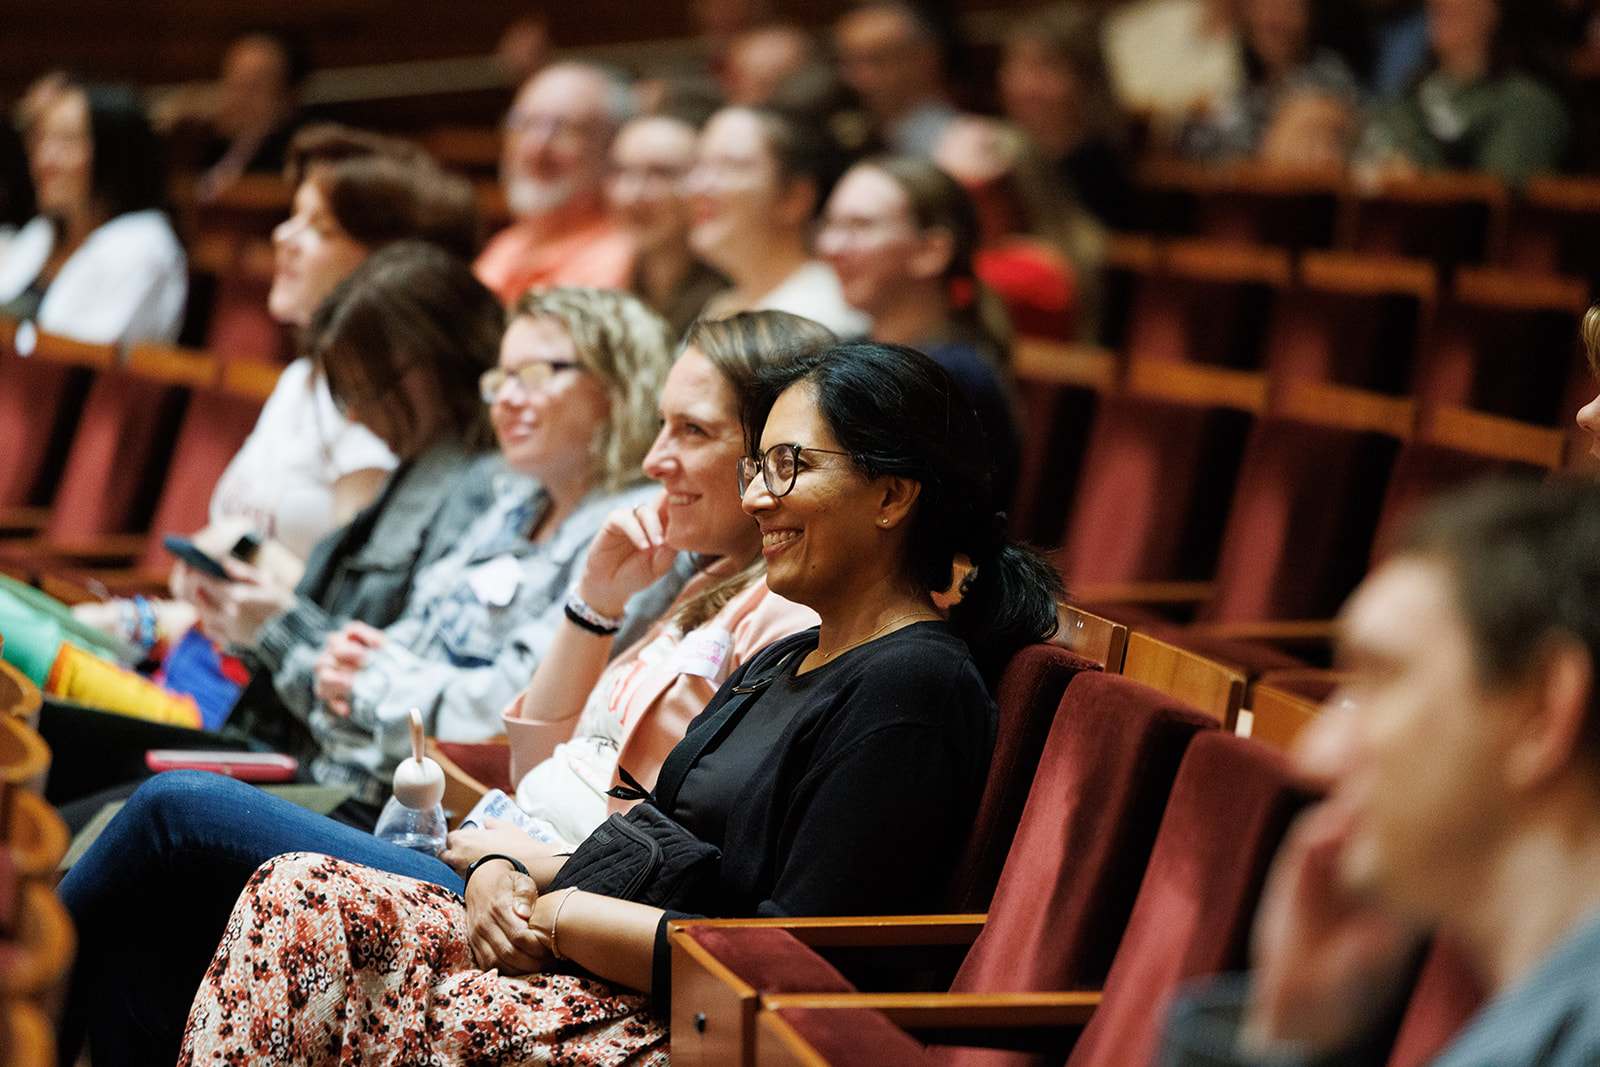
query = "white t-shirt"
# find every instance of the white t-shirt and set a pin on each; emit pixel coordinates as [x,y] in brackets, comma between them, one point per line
[813,291]
[127,282]
[282,479]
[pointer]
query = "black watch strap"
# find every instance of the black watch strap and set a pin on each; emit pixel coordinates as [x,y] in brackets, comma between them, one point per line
[472,869]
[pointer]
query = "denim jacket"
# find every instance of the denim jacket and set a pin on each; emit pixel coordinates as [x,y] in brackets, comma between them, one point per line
[364,571]
[476,626]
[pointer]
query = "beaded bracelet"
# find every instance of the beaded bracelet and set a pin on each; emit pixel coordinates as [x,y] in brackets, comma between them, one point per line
[586,618]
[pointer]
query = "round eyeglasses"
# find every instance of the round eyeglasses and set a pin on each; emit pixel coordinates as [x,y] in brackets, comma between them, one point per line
[778,465]
[530,376]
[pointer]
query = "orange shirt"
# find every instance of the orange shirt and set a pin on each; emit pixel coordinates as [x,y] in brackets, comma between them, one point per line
[596,254]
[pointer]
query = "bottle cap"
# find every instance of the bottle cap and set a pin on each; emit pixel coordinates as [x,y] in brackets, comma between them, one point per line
[418,781]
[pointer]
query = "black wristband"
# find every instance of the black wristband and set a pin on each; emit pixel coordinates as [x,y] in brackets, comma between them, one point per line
[472,869]
[593,627]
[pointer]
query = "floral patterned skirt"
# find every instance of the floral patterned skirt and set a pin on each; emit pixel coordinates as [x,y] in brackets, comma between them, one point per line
[327,962]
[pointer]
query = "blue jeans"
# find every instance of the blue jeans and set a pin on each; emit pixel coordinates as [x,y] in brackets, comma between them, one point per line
[152,897]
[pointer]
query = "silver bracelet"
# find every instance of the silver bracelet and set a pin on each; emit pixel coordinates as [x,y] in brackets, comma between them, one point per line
[555,920]
[589,619]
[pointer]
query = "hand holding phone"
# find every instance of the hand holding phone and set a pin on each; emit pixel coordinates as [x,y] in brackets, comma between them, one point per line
[244,550]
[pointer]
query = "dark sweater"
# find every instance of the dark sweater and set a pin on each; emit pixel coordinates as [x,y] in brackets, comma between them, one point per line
[862,803]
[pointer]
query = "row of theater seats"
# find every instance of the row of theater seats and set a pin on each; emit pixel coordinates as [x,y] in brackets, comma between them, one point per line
[36,936]
[1548,227]
[1249,501]
[1119,850]
[1495,339]
[102,451]
[1279,706]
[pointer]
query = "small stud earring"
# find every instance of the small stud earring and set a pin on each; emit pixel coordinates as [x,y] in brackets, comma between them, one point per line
[884,521]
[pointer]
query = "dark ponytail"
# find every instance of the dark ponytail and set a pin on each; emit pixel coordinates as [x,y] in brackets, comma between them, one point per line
[897,412]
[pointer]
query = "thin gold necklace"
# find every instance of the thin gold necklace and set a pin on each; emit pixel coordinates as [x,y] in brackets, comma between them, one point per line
[826,656]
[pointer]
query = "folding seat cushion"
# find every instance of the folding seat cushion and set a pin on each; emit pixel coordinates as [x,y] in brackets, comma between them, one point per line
[1231,803]
[1154,492]
[1029,692]
[1304,511]
[40,402]
[1108,763]
[1081,849]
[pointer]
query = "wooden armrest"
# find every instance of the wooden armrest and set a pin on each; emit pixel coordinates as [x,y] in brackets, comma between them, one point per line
[173,364]
[876,1029]
[79,586]
[86,551]
[1356,272]
[1346,407]
[1199,384]
[1142,593]
[714,1007]
[860,931]
[36,964]
[1274,631]
[923,1011]
[1494,435]
[1037,359]
[23,521]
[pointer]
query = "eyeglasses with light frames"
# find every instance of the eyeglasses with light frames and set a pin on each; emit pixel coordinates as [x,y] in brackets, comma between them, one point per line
[529,377]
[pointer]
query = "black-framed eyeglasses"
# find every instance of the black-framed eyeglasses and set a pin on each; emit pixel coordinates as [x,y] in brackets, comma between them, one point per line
[530,376]
[778,465]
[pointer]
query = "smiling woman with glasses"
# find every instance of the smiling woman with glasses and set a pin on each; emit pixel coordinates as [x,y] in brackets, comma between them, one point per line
[845,786]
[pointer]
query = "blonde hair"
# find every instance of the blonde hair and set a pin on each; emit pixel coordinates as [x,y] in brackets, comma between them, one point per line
[628,348]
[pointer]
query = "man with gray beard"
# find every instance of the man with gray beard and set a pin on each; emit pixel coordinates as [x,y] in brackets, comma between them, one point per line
[552,166]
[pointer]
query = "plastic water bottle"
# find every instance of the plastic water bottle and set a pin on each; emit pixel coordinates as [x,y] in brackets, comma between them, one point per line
[414,817]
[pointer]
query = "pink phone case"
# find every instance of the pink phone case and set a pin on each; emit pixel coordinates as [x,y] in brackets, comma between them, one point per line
[245,766]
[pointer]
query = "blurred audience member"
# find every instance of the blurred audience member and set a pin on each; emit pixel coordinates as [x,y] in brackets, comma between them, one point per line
[1480,106]
[1037,249]
[1053,84]
[258,107]
[721,21]
[524,48]
[100,261]
[890,55]
[553,169]
[757,181]
[1301,103]
[759,60]
[1170,58]
[901,234]
[1399,31]
[650,159]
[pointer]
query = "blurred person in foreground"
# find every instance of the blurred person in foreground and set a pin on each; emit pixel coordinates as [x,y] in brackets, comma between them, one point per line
[1461,760]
